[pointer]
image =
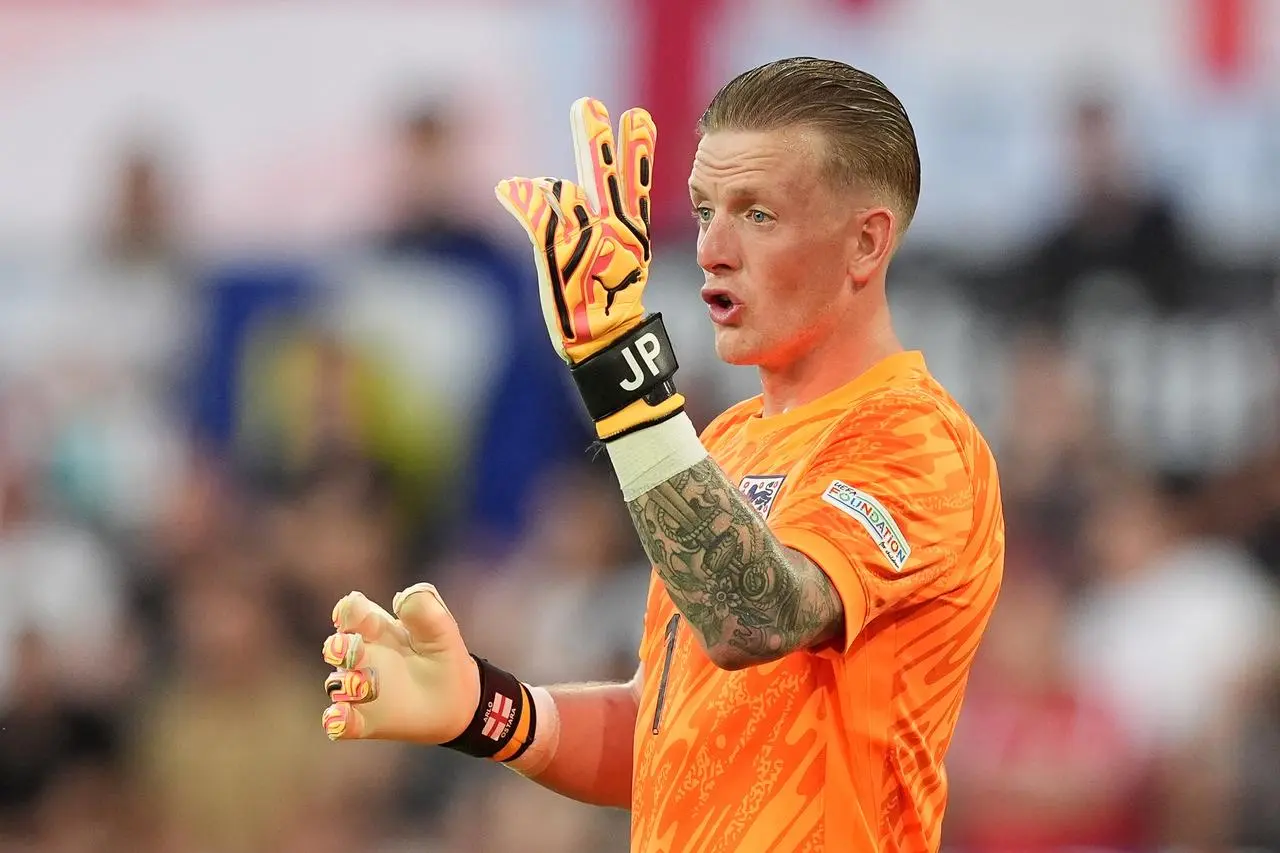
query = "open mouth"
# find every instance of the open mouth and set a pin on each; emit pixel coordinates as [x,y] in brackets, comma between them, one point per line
[718,299]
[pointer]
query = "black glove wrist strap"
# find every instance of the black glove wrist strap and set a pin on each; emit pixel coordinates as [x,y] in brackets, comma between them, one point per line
[637,366]
[505,720]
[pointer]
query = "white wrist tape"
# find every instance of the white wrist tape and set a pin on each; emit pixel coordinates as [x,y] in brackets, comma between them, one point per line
[651,456]
[546,738]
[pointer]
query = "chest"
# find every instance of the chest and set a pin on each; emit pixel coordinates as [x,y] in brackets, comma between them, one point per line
[763,475]
[686,693]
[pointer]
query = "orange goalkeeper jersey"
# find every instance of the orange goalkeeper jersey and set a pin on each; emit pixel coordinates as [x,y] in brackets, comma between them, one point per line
[888,486]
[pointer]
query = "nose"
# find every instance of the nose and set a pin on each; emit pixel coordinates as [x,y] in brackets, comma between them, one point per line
[717,248]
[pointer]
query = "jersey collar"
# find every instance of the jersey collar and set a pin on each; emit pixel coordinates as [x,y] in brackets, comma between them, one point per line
[889,371]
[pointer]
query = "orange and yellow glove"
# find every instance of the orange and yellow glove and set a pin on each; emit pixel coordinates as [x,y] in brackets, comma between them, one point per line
[592,252]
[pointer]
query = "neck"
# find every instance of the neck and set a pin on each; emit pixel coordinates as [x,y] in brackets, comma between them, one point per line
[848,350]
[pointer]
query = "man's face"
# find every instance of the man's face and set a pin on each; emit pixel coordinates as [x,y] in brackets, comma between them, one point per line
[774,242]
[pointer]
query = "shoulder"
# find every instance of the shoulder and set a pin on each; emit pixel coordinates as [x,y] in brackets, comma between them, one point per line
[909,417]
[916,436]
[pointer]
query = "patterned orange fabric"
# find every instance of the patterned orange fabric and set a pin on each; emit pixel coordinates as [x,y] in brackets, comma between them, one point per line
[888,486]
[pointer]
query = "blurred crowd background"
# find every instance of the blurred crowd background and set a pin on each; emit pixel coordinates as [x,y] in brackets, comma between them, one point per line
[265,338]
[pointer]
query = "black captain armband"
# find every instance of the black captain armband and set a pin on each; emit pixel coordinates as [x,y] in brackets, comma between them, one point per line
[505,721]
[638,366]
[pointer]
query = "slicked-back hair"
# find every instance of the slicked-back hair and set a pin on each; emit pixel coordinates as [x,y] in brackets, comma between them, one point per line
[870,141]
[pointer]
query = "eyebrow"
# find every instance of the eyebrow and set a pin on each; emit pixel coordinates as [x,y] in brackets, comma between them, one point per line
[739,194]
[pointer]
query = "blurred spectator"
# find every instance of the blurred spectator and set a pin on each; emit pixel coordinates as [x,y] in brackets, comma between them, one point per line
[313,397]
[94,344]
[46,736]
[1177,629]
[143,230]
[139,276]
[228,750]
[333,532]
[1256,789]
[1040,761]
[87,808]
[1246,506]
[428,211]
[1120,248]
[1052,452]
[61,586]
[529,387]
[1175,625]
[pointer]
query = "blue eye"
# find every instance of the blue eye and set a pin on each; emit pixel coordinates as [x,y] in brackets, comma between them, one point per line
[759,217]
[702,214]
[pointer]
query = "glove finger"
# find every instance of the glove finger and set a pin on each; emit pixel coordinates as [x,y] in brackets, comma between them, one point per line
[552,191]
[353,686]
[343,721]
[345,651]
[423,612]
[639,137]
[356,614]
[570,219]
[523,198]
[594,149]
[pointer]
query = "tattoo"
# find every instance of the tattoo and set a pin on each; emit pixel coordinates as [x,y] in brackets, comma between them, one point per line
[750,598]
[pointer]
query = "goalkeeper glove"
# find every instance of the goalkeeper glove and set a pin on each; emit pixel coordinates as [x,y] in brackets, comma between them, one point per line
[592,252]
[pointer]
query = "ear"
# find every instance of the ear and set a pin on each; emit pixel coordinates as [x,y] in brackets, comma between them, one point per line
[873,238]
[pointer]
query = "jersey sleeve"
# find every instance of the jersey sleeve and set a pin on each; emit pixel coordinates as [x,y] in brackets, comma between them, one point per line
[886,507]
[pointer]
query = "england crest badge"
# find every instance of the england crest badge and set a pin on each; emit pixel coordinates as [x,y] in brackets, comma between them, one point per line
[761,491]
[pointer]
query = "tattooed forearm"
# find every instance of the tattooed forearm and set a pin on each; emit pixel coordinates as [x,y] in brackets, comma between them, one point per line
[750,598]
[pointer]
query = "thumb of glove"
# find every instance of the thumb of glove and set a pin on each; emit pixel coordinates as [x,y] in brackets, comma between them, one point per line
[431,627]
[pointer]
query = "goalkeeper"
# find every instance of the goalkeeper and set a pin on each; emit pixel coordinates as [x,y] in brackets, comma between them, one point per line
[825,555]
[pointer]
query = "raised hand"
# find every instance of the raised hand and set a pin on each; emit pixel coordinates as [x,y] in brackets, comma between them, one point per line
[591,239]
